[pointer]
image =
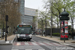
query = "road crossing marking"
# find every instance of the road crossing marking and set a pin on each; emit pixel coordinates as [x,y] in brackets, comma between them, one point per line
[26,43]
[18,43]
[28,49]
[14,49]
[41,49]
[36,43]
[30,43]
[41,43]
[22,43]
[7,41]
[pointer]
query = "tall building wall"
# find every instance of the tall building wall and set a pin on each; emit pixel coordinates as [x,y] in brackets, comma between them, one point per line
[21,9]
[30,14]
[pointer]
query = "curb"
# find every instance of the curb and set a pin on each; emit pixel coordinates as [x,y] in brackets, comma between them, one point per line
[59,42]
[51,40]
[6,44]
[71,46]
[10,42]
[13,39]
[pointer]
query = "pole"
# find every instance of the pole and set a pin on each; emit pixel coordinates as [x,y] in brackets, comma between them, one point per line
[64,30]
[6,32]
[3,30]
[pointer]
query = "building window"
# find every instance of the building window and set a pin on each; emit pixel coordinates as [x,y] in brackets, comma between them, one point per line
[16,1]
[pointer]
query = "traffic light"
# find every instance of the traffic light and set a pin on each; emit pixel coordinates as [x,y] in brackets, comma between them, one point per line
[6,17]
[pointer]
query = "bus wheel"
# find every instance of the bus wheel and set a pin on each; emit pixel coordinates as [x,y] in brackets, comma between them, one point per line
[29,40]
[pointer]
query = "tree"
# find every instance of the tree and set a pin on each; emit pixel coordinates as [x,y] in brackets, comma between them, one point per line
[43,16]
[11,9]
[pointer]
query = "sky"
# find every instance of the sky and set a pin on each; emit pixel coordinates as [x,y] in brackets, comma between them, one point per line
[34,4]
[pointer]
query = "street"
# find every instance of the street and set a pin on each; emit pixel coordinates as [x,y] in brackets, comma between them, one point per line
[5,47]
[46,25]
[38,43]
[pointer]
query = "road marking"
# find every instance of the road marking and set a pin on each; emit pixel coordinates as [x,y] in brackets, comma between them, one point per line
[7,41]
[37,43]
[41,43]
[34,43]
[30,43]
[41,49]
[26,43]
[22,43]
[18,43]
[28,49]
[14,49]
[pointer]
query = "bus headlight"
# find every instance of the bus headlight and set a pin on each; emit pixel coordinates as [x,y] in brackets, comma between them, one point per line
[30,35]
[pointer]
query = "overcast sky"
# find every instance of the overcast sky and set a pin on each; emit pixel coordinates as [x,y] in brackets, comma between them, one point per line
[34,4]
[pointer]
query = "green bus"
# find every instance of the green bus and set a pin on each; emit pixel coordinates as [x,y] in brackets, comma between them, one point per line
[24,32]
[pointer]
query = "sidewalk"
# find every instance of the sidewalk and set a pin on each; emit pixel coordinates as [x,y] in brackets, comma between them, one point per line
[57,39]
[9,40]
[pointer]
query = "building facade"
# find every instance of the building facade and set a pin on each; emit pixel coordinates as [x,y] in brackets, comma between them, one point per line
[21,10]
[27,14]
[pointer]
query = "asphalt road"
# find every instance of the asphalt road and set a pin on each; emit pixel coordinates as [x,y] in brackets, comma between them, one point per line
[36,43]
[5,47]
[38,39]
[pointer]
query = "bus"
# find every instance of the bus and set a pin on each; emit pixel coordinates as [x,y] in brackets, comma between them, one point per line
[24,32]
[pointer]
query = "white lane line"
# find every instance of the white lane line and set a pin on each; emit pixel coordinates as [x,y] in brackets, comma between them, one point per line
[41,49]
[28,49]
[14,49]
[18,43]
[7,42]
[26,43]
[34,43]
[41,43]
[32,49]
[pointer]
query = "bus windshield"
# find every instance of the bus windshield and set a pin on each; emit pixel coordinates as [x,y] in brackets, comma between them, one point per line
[22,30]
